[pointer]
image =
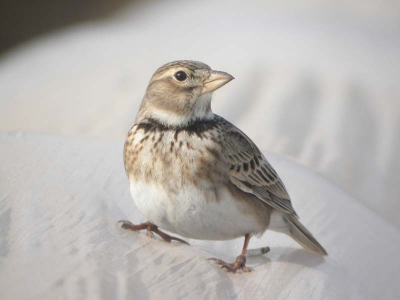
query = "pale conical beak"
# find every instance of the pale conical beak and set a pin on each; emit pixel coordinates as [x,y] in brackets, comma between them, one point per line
[215,81]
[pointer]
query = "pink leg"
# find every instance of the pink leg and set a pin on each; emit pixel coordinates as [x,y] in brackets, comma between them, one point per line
[150,227]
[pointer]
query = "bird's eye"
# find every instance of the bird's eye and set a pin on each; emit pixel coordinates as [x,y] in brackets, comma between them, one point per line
[180,76]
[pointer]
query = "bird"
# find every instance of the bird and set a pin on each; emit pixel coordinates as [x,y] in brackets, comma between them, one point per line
[193,173]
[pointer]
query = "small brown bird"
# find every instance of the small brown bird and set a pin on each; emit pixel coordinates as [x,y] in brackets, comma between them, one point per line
[193,173]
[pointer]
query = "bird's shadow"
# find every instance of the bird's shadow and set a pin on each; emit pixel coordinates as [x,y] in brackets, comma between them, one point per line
[288,255]
[299,257]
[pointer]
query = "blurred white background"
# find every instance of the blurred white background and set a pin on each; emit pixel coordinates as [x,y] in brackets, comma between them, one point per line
[315,80]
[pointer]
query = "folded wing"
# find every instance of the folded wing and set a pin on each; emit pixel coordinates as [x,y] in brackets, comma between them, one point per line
[251,172]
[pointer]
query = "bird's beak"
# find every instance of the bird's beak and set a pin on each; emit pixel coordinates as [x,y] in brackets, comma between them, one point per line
[215,81]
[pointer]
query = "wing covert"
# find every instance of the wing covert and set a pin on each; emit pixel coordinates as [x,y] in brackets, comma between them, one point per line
[251,172]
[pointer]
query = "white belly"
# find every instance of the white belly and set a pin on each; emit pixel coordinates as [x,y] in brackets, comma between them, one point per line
[206,214]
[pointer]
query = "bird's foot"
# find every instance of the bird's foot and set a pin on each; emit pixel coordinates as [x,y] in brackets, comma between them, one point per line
[239,264]
[151,229]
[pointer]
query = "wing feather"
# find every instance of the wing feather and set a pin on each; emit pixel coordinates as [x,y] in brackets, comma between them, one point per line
[251,172]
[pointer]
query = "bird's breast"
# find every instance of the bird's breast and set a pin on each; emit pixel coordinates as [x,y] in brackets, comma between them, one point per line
[174,158]
[180,181]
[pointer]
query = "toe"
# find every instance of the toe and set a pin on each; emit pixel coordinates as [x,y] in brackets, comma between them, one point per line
[217,261]
[247,269]
[239,264]
[150,234]
[179,240]
[124,224]
[228,268]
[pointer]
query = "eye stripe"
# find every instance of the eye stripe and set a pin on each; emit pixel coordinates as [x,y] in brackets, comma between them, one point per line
[192,66]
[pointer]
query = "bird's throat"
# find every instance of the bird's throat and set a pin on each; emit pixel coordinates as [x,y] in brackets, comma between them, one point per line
[199,110]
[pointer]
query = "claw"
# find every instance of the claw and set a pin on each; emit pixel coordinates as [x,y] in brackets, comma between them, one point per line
[247,269]
[179,240]
[124,224]
[217,261]
[150,234]
[229,268]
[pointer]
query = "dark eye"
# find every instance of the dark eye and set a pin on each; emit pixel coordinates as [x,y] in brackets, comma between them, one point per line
[180,76]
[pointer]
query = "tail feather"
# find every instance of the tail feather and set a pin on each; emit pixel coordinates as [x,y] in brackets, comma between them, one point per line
[304,237]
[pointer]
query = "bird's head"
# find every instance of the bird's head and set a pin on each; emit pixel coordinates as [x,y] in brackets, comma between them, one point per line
[180,92]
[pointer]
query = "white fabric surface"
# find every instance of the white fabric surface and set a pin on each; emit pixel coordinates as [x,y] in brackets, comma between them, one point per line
[60,200]
[315,80]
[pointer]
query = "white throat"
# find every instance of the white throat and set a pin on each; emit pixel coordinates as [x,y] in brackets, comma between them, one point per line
[201,111]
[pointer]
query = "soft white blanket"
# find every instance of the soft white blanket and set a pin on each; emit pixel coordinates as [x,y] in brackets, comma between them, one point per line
[61,199]
[315,82]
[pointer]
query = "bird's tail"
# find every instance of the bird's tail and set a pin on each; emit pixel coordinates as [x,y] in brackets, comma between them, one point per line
[301,234]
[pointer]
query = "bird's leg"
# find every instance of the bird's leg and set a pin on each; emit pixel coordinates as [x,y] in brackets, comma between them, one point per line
[150,227]
[240,262]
